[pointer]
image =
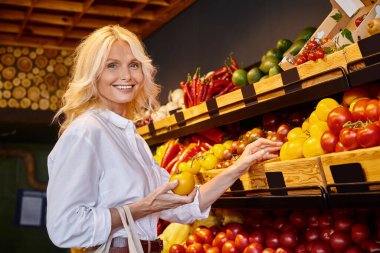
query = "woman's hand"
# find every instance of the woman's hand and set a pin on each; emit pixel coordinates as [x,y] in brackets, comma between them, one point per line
[255,152]
[163,198]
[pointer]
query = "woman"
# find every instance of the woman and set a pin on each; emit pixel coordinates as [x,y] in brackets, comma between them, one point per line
[100,162]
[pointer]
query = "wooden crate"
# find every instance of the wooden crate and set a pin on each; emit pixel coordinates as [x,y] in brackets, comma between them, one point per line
[304,172]
[337,169]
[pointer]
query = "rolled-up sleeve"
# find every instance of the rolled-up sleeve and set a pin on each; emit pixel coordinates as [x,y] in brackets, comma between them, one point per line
[184,214]
[73,220]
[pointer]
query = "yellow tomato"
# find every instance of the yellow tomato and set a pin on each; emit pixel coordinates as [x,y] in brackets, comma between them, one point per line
[218,150]
[193,166]
[186,182]
[317,129]
[305,125]
[284,152]
[313,118]
[296,133]
[208,161]
[228,144]
[324,107]
[312,147]
[294,148]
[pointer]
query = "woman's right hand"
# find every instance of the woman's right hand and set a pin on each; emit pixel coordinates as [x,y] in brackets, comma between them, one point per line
[163,198]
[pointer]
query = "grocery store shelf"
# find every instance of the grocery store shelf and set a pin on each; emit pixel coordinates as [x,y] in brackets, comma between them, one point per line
[370,73]
[294,94]
[354,194]
[261,199]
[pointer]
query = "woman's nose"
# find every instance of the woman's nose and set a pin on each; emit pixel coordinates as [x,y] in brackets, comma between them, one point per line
[125,75]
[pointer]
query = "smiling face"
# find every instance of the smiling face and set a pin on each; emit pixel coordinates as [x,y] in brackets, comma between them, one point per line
[121,78]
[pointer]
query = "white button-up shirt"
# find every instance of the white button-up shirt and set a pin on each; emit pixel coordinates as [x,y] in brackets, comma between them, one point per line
[98,163]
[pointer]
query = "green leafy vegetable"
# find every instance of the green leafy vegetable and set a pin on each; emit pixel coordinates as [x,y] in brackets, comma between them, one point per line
[347,34]
[337,16]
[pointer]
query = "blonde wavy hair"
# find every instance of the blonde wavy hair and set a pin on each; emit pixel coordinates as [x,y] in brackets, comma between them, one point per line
[89,61]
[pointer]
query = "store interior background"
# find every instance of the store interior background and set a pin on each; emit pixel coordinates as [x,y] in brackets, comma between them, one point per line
[201,36]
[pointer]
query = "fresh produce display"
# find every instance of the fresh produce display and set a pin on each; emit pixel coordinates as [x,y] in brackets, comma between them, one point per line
[312,51]
[198,89]
[282,231]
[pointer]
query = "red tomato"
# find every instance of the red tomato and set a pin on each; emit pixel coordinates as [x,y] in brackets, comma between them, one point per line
[312,45]
[311,56]
[337,118]
[312,234]
[272,240]
[254,247]
[372,110]
[283,250]
[195,248]
[232,229]
[219,240]
[340,147]
[298,219]
[325,220]
[312,220]
[214,230]
[359,233]
[268,250]
[343,223]
[271,121]
[296,119]
[340,240]
[320,247]
[289,239]
[368,136]
[282,132]
[347,137]
[205,235]
[257,236]
[358,21]
[319,53]
[358,111]
[329,141]
[241,240]
[213,250]
[354,249]
[192,238]
[229,247]
[177,248]
[300,60]
[301,248]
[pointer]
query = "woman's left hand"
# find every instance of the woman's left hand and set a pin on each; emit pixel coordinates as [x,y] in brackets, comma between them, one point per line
[257,151]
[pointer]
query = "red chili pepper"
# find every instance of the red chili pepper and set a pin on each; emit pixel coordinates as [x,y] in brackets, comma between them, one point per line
[201,91]
[194,85]
[220,72]
[202,139]
[214,134]
[234,63]
[210,89]
[185,99]
[170,165]
[221,83]
[227,76]
[188,93]
[186,155]
[205,146]
[204,93]
[171,151]
[226,89]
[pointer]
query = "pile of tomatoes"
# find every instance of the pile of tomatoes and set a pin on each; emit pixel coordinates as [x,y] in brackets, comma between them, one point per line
[312,51]
[313,231]
[353,129]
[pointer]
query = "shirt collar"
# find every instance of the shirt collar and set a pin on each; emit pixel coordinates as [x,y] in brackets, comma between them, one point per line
[115,118]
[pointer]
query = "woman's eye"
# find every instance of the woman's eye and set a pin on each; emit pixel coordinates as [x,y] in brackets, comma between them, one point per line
[134,65]
[111,65]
